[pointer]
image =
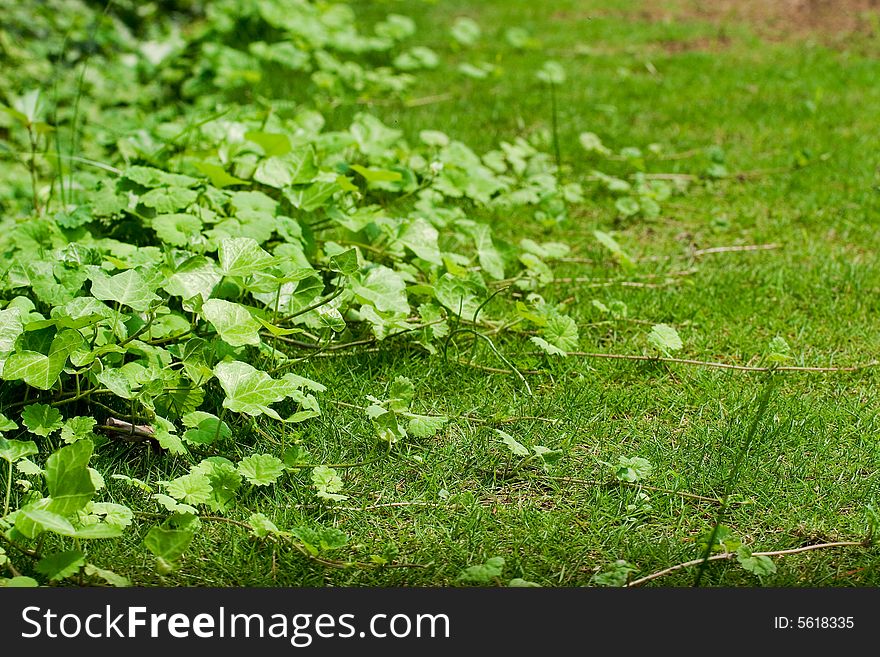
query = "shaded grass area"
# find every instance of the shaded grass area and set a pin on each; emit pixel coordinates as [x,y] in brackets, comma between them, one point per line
[799,120]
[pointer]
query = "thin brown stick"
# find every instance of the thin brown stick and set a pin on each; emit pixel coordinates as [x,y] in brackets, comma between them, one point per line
[429,100]
[735,249]
[726,366]
[731,555]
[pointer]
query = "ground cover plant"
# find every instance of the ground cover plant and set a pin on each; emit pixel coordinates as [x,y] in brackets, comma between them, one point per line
[384,293]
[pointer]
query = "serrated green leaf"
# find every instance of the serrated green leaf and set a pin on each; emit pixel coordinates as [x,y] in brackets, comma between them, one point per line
[485,572]
[261,469]
[327,483]
[177,229]
[78,428]
[665,338]
[762,566]
[190,488]
[424,426]
[41,419]
[261,525]
[633,469]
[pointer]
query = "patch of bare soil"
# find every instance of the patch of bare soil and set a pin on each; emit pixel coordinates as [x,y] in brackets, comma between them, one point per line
[833,19]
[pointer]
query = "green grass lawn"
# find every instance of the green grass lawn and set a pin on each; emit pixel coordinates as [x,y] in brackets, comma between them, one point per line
[799,120]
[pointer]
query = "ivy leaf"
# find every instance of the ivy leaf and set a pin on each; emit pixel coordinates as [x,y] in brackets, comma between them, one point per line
[242,256]
[41,371]
[128,288]
[345,263]
[60,565]
[117,382]
[168,544]
[26,466]
[13,450]
[196,276]
[114,514]
[172,505]
[190,488]
[68,479]
[591,143]
[166,435]
[204,428]
[490,259]
[261,469]
[10,328]
[41,419]
[249,390]
[217,175]
[518,582]
[665,338]
[19,581]
[31,520]
[6,424]
[383,288]
[462,296]
[372,175]
[616,250]
[485,572]
[309,198]
[232,321]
